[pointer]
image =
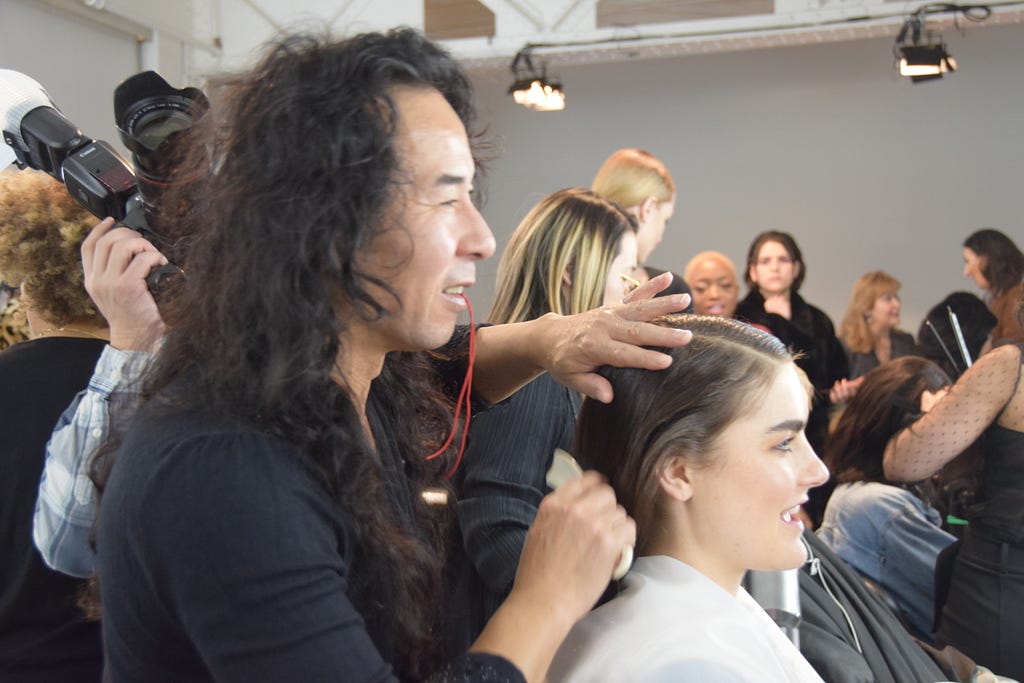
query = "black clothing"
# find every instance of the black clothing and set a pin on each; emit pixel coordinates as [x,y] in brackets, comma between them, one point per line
[984,613]
[888,654]
[499,486]
[902,344]
[43,636]
[232,563]
[810,332]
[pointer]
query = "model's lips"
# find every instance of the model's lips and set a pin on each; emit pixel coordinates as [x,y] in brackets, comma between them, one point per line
[790,516]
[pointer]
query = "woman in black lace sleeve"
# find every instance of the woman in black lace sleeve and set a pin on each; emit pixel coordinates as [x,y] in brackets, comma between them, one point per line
[984,613]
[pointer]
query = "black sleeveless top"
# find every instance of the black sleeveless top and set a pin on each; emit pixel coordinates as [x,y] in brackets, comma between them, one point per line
[999,514]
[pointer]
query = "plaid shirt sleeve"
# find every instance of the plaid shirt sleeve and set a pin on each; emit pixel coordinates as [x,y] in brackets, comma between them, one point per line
[66,506]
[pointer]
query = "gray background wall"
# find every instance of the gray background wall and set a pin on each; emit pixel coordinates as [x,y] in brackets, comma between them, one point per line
[865,169]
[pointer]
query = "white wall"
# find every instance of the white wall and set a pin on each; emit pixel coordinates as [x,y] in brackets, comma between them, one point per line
[78,61]
[866,170]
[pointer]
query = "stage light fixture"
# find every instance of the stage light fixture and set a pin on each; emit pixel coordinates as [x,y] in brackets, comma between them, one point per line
[922,56]
[532,89]
[925,62]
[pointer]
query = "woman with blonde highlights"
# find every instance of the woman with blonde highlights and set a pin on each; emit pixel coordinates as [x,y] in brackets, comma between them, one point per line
[569,255]
[559,257]
[869,329]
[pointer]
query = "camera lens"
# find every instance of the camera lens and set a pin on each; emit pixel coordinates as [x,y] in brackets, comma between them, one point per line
[153,127]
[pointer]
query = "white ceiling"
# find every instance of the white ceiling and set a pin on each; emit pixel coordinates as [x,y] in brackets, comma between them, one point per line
[487,33]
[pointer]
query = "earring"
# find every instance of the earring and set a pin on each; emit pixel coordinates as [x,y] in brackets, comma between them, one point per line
[868,318]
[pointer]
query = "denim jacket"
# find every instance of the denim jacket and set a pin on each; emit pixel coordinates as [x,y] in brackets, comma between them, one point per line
[892,537]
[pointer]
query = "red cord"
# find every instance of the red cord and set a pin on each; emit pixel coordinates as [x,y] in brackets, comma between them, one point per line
[463,401]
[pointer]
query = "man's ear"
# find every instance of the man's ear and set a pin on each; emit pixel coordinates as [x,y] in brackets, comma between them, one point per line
[676,478]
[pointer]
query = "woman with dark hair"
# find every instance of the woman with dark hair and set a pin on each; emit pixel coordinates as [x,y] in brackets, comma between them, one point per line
[573,252]
[996,265]
[888,532]
[710,458]
[937,340]
[263,516]
[984,613]
[775,271]
[869,331]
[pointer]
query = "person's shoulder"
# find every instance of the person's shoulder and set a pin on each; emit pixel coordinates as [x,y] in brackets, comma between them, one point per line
[194,446]
[1003,354]
[863,501]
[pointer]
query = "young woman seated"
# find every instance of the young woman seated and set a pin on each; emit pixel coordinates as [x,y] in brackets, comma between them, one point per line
[711,460]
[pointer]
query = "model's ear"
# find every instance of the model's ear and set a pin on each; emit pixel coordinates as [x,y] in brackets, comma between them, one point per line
[752,271]
[796,269]
[676,479]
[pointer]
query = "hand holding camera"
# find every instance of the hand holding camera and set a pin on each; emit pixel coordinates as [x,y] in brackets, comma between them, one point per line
[116,262]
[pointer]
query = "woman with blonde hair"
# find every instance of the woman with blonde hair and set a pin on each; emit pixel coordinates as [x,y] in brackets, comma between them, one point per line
[568,255]
[869,331]
[641,183]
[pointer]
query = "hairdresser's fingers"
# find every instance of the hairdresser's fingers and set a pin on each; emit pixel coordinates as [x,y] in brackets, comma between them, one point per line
[592,385]
[649,289]
[88,249]
[643,310]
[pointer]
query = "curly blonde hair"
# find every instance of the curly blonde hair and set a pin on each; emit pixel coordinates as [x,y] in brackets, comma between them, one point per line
[41,232]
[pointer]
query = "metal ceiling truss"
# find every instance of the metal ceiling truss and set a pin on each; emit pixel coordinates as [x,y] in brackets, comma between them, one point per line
[566,31]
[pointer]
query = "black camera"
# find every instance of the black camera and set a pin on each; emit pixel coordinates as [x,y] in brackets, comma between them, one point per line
[152,118]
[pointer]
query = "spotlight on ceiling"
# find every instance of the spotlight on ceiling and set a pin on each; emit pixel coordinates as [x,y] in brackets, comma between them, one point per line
[532,89]
[925,62]
[925,58]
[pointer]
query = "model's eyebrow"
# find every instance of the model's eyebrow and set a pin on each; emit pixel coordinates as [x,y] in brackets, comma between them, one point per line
[788,426]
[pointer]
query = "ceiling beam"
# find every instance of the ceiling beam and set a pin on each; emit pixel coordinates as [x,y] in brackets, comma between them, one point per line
[799,22]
